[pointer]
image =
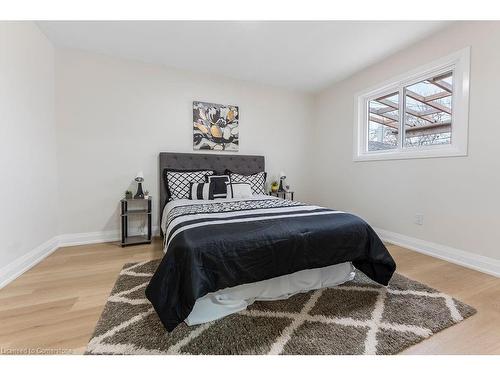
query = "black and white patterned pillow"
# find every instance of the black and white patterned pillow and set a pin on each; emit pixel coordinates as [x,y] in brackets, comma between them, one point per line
[257,181]
[201,191]
[220,190]
[177,181]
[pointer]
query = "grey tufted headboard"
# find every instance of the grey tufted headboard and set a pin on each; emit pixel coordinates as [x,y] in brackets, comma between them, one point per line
[244,164]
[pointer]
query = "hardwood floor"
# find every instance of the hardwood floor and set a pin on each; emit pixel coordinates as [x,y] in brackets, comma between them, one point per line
[57,303]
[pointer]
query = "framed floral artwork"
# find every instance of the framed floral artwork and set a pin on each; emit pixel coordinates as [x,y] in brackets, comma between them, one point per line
[215,127]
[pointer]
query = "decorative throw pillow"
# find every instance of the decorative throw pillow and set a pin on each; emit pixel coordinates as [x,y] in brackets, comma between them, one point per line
[178,180]
[220,191]
[201,191]
[239,190]
[257,181]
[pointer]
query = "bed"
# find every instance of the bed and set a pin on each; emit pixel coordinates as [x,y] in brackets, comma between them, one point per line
[222,255]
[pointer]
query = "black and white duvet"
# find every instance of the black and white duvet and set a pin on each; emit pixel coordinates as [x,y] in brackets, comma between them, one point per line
[212,245]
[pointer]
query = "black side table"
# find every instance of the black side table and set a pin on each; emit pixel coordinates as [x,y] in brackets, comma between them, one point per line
[139,207]
[282,194]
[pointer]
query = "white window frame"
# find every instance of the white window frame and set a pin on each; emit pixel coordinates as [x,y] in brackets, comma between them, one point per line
[459,63]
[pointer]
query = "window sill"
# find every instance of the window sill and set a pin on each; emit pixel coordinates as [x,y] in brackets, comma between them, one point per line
[412,154]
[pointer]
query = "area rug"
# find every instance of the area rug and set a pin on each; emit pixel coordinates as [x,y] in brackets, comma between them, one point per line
[359,317]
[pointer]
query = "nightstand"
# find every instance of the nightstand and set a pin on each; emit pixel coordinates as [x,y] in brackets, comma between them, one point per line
[282,194]
[135,207]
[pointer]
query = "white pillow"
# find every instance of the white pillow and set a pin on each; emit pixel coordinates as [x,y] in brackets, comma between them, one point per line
[238,190]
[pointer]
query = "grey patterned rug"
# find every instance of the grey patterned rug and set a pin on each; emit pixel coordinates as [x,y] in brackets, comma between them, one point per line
[359,317]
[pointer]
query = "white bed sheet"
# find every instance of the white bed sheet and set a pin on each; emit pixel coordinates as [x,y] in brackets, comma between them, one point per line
[228,301]
[231,300]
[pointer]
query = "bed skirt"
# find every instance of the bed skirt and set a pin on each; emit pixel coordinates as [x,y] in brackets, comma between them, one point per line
[228,301]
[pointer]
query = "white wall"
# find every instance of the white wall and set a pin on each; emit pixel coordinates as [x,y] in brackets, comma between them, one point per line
[114,116]
[28,189]
[459,196]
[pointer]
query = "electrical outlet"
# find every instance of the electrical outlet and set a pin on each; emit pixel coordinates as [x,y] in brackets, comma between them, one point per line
[419,219]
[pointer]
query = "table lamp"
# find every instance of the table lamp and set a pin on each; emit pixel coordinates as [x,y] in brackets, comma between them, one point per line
[282,178]
[139,179]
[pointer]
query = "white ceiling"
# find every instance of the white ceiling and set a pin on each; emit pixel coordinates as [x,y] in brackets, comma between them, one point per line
[299,55]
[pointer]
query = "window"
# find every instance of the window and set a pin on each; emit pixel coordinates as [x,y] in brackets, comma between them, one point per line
[423,113]
[383,122]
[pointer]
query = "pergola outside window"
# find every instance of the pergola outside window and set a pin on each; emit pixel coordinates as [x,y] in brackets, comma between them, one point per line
[422,114]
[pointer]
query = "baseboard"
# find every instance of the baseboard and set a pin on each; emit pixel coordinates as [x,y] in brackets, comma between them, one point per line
[76,239]
[467,259]
[19,266]
[22,264]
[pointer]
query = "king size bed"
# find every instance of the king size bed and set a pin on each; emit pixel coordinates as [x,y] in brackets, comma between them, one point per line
[223,254]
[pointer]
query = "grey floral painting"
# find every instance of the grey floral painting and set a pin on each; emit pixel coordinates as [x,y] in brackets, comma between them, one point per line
[215,127]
